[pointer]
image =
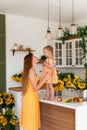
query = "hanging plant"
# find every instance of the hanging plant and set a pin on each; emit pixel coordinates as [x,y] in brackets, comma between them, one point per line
[81,33]
[68,36]
[85,65]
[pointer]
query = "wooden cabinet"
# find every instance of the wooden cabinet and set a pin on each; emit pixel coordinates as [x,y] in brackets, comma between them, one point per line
[68,54]
[73,53]
[56,117]
[58,52]
[63,116]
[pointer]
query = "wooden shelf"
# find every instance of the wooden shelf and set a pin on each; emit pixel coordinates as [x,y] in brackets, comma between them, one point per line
[25,50]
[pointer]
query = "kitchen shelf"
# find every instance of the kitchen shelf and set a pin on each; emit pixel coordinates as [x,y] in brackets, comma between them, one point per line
[26,50]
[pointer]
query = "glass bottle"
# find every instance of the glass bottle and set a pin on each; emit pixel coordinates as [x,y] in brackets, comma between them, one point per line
[15,46]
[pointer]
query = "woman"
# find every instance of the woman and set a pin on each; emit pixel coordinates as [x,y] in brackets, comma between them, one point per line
[30,113]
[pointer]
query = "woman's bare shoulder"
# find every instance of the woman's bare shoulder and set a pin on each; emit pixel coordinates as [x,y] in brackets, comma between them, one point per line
[31,72]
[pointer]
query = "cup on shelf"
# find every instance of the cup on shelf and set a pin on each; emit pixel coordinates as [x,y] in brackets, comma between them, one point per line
[21,47]
[15,46]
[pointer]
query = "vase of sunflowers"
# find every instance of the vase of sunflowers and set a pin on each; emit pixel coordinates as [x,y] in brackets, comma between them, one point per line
[58,88]
[8,119]
[17,77]
[72,82]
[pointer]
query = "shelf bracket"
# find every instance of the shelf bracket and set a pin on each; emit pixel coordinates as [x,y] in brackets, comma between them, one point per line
[13,52]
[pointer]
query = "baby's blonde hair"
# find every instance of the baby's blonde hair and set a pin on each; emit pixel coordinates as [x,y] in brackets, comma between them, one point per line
[49,47]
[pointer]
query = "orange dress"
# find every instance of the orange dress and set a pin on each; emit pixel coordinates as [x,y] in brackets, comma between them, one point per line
[30,112]
[54,78]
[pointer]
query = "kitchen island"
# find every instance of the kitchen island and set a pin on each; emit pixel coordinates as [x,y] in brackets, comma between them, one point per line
[63,116]
[57,115]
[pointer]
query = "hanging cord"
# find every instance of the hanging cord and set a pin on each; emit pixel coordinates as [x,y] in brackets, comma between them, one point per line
[59,13]
[48,13]
[72,11]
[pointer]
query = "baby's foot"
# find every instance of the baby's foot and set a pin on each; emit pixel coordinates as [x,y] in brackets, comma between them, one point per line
[51,98]
[46,98]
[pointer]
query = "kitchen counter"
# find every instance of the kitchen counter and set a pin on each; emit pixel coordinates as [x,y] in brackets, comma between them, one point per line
[56,115]
[17,89]
[42,93]
[62,116]
[73,105]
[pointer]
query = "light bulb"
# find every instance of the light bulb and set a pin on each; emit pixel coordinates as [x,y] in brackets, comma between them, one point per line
[48,34]
[73,29]
[59,33]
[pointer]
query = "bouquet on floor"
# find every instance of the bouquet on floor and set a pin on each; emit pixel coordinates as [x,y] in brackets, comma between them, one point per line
[8,119]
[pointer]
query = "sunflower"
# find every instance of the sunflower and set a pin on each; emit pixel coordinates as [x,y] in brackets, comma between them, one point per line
[59,85]
[13,121]
[81,85]
[1,101]
[4,121]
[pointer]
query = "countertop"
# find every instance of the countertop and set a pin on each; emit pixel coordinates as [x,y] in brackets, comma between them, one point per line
[17,89]
[73,105]
[42,93]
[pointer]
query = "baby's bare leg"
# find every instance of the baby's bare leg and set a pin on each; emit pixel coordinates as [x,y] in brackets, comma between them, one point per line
[51,92]
[47,92]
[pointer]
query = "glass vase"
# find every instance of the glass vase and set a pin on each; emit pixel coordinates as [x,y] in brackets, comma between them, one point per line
[58,93]
[83,94]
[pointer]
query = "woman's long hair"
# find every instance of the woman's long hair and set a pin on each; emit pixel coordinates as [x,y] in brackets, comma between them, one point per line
[27,66]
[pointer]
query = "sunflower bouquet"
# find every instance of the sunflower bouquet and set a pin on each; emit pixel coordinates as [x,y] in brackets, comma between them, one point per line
[8,119]
[17,77]
[70,80]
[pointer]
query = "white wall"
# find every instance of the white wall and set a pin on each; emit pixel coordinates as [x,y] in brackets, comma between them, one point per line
[30,33]
[78,23]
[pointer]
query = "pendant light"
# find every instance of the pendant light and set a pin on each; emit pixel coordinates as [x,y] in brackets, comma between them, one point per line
[73,29]
[60,30]
[48,33]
